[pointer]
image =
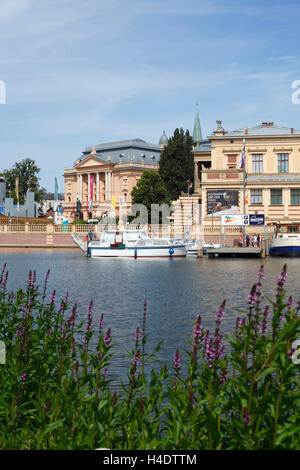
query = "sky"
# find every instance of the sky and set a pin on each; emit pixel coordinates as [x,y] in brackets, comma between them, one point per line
[84,72]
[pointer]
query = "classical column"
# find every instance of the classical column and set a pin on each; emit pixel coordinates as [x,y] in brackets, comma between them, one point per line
[89,187]
[109,186]
[196,177]
[105,187]
[97,188]
[81,188]
[78,187]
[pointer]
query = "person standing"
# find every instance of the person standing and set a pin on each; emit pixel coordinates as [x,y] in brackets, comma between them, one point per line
[247,240]
[258,240]
[254,240]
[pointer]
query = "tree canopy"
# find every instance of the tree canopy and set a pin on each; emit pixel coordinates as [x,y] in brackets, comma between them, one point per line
[176,164]
[27,172]
[150,189]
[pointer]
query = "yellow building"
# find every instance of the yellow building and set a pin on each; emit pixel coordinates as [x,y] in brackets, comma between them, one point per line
[272,173]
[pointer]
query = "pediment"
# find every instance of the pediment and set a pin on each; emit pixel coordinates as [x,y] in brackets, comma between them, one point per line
[91,161]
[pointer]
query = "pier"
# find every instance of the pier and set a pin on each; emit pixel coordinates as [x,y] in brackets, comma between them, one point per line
[235,252]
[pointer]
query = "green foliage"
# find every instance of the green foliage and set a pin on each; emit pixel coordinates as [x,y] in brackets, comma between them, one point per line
[27,172]
[55,392]
[150,189]
[176,164]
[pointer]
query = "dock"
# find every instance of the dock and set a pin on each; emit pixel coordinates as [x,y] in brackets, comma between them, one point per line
[234,252]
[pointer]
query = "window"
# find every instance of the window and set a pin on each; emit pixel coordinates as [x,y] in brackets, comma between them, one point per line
[276,197]
[295,197]
[283,162]
[257,163]
[256,196]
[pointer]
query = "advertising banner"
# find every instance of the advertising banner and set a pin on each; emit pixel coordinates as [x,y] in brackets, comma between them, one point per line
[222,202]
[257,219]
[235,219]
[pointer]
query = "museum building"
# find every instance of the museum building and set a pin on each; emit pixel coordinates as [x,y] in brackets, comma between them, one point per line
[104,175]
[270,168]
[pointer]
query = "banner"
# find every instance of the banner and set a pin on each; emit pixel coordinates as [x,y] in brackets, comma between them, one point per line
[257,219]
[222,202]
[113,202]
[235,219]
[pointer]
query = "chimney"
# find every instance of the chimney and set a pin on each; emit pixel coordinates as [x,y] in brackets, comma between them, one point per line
[292,130]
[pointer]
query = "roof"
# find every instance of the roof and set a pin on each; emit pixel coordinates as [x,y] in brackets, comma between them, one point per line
[267,128]
[204,146]
[128,151]
[197,134]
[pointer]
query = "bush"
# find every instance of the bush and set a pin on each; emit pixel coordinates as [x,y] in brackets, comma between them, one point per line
[56,392]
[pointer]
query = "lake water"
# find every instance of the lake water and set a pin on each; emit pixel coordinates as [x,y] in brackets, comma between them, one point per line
[177,291]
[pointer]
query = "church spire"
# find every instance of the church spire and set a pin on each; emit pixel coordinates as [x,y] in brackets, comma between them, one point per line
[197,135]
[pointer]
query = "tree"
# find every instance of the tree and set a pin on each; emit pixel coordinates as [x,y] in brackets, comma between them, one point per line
[176,164]
[27,171]
[150,189]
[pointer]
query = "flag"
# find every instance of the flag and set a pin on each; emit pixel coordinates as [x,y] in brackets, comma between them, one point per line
[247,199]
[113,202]
[55,190]
[242,162]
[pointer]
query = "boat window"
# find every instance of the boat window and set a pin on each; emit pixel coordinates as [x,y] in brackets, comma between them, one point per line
[292,229]
[282,229]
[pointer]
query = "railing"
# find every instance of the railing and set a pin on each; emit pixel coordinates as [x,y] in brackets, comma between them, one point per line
[153,231]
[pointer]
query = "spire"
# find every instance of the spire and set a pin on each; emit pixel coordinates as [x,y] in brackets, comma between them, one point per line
[197,135]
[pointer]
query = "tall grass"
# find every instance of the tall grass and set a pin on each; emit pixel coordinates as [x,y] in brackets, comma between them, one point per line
[56,393]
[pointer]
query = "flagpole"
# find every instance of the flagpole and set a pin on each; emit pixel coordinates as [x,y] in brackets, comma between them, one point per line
[244,188]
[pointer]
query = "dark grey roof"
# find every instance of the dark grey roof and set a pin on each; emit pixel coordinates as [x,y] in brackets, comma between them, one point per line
[133,150]
[204,146]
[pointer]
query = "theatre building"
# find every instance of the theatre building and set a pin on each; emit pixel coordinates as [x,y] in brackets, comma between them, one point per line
[272,173]
[104,175]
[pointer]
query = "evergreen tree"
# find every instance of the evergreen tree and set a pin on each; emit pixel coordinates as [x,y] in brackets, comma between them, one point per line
[176,164]
[150,189]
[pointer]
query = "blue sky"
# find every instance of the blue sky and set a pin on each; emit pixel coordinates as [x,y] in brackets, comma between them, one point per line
[83,72]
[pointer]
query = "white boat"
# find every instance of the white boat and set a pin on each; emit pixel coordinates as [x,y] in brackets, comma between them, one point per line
[134,244]
[286,241]
[192,247]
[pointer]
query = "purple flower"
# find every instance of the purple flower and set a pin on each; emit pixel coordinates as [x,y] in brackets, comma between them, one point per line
[282,278]
[47,407]
[252,296]
[23,378]
[107,338]
[101,323]
[246,417]
[52,300]
[177,361]
[224,376]
[137,334]
[260,275]
[89,320]
[18,333]
[136,358]
[220,312]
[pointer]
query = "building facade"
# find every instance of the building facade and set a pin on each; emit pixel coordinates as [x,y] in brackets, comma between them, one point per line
[271,170]
[103,177]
